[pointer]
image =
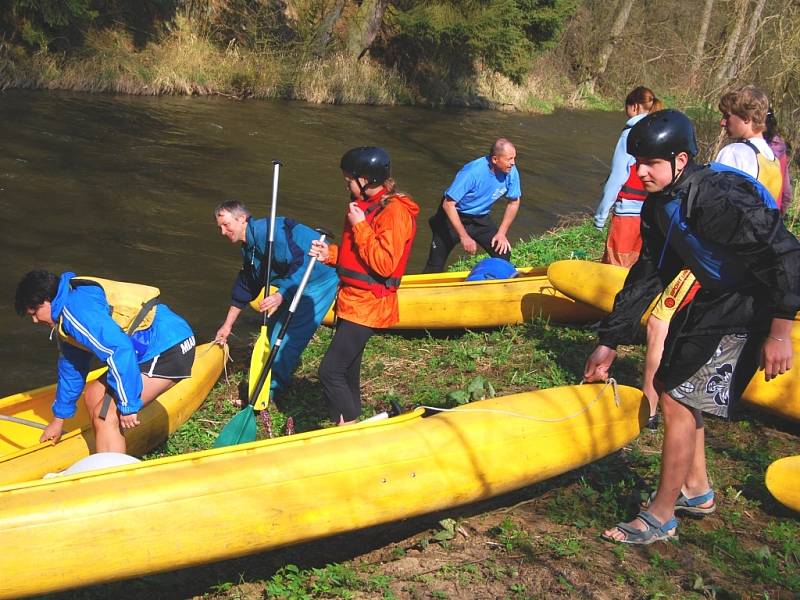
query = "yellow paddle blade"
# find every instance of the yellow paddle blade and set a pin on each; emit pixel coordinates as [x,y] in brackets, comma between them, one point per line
[257,362]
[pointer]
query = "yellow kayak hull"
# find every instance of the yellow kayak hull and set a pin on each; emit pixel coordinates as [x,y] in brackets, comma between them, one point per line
[217,504]
[448,301]
[783,481]
[597,284]
[23,458]
[592,283]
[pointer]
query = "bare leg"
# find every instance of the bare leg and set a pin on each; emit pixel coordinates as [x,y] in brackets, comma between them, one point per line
[697,482]
[656,334]
[108,434]
[677,458]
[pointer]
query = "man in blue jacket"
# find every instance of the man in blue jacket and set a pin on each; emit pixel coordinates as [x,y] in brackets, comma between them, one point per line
[289,261]
[141,366]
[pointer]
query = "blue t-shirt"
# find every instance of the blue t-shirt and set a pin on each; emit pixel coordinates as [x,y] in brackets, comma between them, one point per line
[477,187]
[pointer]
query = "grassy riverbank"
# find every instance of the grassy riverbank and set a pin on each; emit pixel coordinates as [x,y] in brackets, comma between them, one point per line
[541,541]
[187,62]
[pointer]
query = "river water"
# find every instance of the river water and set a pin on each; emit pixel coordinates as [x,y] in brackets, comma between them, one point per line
[124,187]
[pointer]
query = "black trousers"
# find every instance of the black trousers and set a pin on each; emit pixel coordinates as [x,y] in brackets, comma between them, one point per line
[340,370]
[481,229]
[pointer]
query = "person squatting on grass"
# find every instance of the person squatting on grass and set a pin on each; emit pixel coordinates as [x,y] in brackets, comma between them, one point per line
[378,232]
[142,365]
[623,192]
[717,224]
[463,215]
[289,262]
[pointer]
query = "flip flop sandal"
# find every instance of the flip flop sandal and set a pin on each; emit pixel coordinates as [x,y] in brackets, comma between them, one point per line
[689,505]
[656,531]
[652,422]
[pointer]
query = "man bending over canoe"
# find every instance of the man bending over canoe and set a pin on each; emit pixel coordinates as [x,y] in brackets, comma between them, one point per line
[463,216]
[289,261]
[92,317]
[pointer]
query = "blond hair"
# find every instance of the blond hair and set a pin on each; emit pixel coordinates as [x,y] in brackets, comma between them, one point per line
[748,103]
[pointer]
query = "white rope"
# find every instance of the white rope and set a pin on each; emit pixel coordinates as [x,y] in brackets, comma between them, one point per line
[611,381]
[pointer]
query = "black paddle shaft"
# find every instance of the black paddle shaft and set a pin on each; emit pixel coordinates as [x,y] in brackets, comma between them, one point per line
[262,377]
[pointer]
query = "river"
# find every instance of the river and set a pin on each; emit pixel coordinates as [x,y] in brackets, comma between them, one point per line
[124,187]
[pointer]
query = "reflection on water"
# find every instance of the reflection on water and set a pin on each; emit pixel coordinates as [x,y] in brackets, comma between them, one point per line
[124,187]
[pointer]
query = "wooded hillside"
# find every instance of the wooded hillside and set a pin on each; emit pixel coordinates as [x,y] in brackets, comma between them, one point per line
[524,54]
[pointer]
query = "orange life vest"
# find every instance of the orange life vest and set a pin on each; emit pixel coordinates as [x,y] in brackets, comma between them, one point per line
[352,269]
[633,188]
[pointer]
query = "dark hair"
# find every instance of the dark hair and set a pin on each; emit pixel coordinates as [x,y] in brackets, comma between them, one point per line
[33,289]
[644,97]
[770,126]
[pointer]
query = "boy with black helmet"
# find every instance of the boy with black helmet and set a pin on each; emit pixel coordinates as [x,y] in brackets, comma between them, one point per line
[717,224]
[378,232]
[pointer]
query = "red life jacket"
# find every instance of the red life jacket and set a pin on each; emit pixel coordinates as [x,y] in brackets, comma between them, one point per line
[352,269]
[633,188]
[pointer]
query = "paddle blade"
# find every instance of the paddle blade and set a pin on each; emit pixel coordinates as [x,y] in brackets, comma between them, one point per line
[257,362]
[239,430]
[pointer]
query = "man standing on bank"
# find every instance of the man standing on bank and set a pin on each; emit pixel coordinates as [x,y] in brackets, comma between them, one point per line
[463,216]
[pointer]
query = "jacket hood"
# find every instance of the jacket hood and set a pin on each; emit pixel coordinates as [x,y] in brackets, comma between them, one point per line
[57,303]
[408,203]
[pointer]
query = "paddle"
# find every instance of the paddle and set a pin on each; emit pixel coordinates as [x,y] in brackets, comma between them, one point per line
[242,428]
[261,348]
[22,421]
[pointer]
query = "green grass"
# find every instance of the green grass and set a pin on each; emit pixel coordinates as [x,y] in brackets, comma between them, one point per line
[549,544]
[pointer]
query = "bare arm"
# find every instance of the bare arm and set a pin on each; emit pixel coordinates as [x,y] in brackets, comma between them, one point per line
[500,240]
[225,330]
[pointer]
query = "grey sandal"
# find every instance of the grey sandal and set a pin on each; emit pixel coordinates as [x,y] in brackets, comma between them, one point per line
[655,532]
[689,505]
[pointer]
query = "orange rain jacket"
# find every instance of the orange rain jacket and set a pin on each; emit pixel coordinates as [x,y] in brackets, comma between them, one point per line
[381,245]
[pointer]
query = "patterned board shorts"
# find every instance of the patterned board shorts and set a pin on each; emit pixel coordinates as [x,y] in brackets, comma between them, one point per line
[710,388]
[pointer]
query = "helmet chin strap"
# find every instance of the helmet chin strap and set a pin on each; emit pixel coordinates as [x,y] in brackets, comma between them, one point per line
[675,175]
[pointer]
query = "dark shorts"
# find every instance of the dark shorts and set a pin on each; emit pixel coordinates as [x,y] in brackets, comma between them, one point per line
[710,372]
[174,363]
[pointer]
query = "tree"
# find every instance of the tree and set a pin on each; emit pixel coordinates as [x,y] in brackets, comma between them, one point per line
[733,42]
[605,51]
[39,22]
[702,35]
[322,37]
[365,26]
[747,44]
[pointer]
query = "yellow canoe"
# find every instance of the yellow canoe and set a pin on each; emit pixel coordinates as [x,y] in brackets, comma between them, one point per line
[597,284]
[23,458]
[448,301]
[217,504]
[783,481]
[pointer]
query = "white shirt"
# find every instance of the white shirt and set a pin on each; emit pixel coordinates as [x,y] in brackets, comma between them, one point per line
[742,157]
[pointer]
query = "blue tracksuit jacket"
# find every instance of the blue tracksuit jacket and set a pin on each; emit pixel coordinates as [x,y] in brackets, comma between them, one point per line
[85,315]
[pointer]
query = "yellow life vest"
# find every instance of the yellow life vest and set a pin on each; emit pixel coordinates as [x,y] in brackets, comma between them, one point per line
[132,305]
[769,172]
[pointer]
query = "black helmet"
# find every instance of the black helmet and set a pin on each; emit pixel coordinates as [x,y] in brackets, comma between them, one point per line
[662,134]
[369,162]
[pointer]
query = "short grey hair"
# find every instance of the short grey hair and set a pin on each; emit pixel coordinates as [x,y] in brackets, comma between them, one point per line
[235,208]
[499,147]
